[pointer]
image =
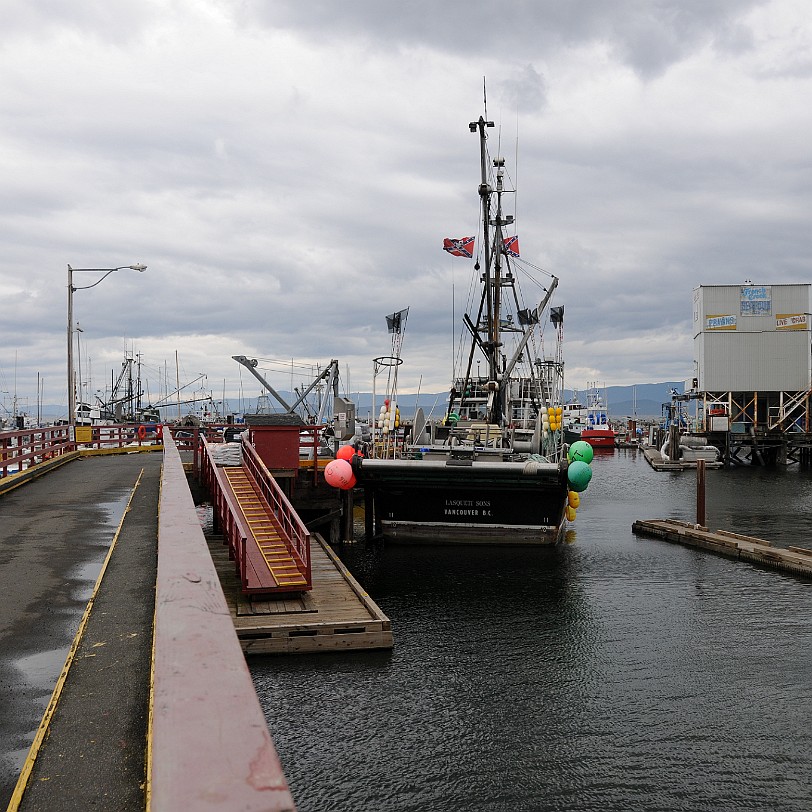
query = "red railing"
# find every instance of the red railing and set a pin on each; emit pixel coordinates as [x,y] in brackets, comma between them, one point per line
[284,513]
[226,512]
[21,449]
[118,435]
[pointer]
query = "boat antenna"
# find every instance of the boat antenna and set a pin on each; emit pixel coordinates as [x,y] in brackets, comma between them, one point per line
[485,97]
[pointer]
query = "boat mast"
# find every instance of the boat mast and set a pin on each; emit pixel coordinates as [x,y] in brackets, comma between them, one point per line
[492,249]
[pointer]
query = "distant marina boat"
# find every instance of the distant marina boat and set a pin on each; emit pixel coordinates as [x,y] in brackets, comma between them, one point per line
[591,423]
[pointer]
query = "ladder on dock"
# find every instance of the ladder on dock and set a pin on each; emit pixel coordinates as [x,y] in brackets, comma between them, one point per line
[266,539]
[267,534]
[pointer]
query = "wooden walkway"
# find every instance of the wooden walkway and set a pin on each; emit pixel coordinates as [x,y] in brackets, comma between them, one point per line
[796,560]
[337,614]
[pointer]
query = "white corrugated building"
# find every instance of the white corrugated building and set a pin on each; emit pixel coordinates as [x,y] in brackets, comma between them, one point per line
[752,353]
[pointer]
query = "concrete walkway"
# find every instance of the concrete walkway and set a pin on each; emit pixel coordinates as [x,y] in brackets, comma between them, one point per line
[55,534]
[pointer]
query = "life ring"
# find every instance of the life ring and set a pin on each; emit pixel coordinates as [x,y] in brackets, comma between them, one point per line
[142,432]
[159,431]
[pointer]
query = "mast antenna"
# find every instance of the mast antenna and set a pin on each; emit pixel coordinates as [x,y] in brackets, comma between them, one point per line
[485,97]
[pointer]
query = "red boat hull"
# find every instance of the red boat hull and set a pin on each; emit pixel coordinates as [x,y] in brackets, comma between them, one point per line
[599,439]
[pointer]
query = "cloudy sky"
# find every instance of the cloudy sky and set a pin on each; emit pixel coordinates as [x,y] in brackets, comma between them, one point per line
[288,170]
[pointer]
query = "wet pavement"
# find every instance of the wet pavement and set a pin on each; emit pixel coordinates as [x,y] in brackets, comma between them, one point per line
[55,534]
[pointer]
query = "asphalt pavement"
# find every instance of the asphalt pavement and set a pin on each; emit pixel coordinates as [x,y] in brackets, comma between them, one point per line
[55,534]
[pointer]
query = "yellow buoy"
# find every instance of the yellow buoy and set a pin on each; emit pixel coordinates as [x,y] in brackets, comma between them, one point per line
[570,513]
[573,499]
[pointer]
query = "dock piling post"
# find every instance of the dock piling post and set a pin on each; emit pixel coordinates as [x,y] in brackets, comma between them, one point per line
[700,492]
[347,506]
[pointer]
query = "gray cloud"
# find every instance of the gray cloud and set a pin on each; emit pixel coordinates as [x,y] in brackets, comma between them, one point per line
[288,172]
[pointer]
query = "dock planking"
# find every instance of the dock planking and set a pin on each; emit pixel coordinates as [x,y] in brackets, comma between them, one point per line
[659,463]
[336,615]
[795,560]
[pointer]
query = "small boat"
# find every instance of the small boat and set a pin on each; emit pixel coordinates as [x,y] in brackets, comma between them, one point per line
[494,470]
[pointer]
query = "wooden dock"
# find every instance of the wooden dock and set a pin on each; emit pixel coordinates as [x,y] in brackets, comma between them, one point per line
[336,615]
[796,560]
[659,463]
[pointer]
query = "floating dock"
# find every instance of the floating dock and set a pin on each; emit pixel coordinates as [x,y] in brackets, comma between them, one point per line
[796,560]
[335,615]
[660,463]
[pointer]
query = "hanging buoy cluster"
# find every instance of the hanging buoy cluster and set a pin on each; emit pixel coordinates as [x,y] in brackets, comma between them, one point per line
[551,418]
[579,474]
[388,417]
[338,472]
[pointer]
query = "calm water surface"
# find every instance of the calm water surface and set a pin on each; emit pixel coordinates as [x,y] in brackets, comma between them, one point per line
[609,673]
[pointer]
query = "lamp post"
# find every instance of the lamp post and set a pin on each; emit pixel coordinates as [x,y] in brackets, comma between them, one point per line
[71,289]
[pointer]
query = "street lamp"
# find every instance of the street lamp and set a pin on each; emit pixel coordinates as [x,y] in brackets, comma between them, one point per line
[71,288]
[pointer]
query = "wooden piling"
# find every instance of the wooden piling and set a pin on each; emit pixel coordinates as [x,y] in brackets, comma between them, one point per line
[700,492]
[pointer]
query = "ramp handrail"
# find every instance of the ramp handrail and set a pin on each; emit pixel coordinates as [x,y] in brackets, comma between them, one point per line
[226,511]
[284,513]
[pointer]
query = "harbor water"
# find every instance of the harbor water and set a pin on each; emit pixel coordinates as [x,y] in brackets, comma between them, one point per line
[608,673]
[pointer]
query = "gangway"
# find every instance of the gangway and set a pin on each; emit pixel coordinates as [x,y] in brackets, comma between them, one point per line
[266,538]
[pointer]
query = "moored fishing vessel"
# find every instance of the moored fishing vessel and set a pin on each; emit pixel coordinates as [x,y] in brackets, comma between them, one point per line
[495,470]
[592,423]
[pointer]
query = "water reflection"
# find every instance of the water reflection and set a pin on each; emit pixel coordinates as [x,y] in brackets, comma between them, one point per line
[609,673]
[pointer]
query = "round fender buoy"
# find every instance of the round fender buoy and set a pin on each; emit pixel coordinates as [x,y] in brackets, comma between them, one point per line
[578,475]
[347,452]
[339,474]
[142,432]
[569,512]
[581,451]
[573,500]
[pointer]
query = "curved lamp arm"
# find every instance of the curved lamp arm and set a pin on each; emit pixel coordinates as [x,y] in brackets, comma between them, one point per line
[107,271]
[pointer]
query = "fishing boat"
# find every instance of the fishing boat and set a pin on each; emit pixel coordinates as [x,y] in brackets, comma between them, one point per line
[494,470]
[592,423]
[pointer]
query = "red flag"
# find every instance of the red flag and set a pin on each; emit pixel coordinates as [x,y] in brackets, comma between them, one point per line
[511,246]
[462,247]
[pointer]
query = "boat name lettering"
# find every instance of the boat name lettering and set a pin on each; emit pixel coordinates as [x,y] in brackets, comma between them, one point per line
[467,503]
[466,512]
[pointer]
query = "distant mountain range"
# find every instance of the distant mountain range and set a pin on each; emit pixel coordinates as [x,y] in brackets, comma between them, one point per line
[645,400]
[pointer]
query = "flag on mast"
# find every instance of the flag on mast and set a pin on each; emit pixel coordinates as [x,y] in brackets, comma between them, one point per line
[511,246]
[396,323]
[461,247]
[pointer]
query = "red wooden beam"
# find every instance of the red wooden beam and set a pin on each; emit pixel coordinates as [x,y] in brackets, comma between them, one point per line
[210,748]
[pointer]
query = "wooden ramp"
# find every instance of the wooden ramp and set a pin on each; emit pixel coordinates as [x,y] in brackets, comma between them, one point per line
[337,614]
[270,565]
[797,560]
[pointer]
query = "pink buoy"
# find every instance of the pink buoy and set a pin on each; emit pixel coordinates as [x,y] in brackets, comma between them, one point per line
[339,474]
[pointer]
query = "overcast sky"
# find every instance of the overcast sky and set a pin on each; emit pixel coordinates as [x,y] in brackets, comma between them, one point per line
[288,171]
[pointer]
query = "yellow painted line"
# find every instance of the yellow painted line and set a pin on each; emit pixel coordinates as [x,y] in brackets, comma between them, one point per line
[42,731]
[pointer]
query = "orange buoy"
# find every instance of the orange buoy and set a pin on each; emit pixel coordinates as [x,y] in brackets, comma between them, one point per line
[142,432]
